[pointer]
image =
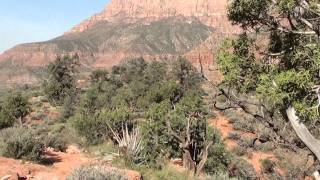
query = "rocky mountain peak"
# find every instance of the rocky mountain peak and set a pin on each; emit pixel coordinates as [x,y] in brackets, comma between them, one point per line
[210,12]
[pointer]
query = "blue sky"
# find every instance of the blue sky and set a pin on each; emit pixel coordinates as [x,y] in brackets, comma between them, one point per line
[24,21]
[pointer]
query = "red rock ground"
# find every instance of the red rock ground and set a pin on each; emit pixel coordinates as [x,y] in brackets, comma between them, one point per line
[65,164]
[222,123]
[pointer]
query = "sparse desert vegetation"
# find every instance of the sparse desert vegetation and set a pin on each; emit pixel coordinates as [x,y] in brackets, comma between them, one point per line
[168,111]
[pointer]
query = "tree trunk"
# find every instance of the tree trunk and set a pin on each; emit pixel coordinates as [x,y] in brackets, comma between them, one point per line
[188,163]
[303,133]
[204,159]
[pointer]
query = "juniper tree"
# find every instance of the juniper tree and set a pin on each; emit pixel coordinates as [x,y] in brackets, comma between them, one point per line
[61,82]
[277,61]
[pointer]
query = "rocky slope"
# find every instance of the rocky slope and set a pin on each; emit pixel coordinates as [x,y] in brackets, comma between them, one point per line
[129,28]
[210,12]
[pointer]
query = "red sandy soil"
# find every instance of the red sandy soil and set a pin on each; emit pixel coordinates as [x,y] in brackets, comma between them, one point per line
[64,165]
[222,123]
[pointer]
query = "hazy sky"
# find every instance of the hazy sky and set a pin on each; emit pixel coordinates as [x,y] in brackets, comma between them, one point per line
[38,20]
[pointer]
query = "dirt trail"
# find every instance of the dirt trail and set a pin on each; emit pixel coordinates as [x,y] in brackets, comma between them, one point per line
[64,165]
[222,123]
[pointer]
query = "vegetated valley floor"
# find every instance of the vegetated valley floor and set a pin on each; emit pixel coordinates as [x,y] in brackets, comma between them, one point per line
[64,163]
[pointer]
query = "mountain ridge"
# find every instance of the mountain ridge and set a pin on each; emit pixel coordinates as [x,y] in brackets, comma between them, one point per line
[133,28]
[209,12]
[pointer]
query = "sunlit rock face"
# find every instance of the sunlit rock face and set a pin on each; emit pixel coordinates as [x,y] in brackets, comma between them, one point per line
[210,12]
[153,29]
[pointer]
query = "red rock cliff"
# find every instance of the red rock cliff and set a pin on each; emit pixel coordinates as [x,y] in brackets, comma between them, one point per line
[210,12]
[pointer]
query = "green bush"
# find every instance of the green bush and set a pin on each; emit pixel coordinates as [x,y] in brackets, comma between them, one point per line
[61,82]
[15,106]
[96,173]
[266,147]
[219,176]
[242,169]
[168,173]
[21,143]
[234,136]
[246,142]
[96,128]
[6,119]
[218,159]
[240,150]
[56,141]
[267,166]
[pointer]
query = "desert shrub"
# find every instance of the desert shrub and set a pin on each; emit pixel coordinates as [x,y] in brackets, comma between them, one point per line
[185,74]
[68,108]
[169,173]
[96,173]
[94,129]
[97,128]
[246,142]
[15,106]
[267,146]
[21,143]
[294,163]
[267,166]
[243,126]
[61,81]
[6,119]
[152,96]
[55,141]
[234,136]
[218,159]
[240,150]
[242,169]
[219,176]
[232,116]
[238,125]
[295,172]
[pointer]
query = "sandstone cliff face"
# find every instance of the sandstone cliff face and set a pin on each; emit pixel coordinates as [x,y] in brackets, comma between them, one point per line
[210,12]
[152,29]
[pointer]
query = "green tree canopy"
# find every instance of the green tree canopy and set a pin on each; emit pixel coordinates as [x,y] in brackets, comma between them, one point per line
[15,106]
[276,60]
[61,81]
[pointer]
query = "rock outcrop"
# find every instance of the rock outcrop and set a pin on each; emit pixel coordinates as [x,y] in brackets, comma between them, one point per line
[152,29]
[210,12]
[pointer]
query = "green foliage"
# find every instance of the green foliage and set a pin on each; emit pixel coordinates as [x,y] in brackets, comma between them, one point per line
[94,129]
[97,128]
[238,67]
[150,96]
[186,74]
[265,147]
[21,143]
[218,159]
[55,141]
[248,13]
[276,63]
[6,119]
[61,82]
[242,169]
[15,106]
[96,172]
[240,150]
[234,136]
[168,173]
[267,166]
[99,76]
